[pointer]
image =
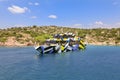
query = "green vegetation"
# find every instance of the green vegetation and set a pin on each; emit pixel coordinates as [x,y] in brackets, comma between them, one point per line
[40,33]
[3,39]
[41,38]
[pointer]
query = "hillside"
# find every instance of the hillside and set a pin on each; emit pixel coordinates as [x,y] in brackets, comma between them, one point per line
[28,36]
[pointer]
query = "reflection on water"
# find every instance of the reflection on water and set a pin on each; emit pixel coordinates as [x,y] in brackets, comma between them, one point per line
[38,56]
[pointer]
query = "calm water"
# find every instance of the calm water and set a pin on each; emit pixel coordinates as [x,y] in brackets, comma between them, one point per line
[95,63]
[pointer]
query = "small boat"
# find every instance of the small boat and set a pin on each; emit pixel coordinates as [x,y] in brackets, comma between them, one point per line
[61,43]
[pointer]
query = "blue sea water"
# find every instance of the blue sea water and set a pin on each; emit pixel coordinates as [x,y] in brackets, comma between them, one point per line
[94,63]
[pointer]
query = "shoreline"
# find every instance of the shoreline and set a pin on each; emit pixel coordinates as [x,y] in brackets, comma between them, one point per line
[103,45]
[23,45]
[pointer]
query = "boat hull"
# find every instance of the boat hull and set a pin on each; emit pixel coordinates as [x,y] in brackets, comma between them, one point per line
[48,49]
[58,48]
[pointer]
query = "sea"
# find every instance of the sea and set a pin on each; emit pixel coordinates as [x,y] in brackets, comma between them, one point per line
[93,63]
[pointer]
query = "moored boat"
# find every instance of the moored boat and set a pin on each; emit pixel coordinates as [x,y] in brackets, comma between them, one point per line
[61,43]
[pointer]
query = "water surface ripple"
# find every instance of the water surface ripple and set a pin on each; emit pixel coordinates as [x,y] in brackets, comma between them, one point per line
[95,63]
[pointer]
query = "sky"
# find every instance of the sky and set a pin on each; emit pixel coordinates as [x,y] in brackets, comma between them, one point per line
[69,13]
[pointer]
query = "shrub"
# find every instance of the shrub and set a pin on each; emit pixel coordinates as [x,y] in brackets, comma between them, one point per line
[3,39]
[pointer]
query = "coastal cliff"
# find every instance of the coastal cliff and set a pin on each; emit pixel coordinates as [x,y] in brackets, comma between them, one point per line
[29,36]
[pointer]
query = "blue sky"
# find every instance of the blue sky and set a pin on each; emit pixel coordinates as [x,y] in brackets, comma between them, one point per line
[71,13]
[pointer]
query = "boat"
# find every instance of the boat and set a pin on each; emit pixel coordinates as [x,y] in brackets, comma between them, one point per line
[60,43]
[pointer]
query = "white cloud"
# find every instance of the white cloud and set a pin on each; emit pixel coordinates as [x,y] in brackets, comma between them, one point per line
[98,23]
[77,25]
[117,25]
[52,16]
[36,3]
[19,25]
[33,17]
[17,10]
